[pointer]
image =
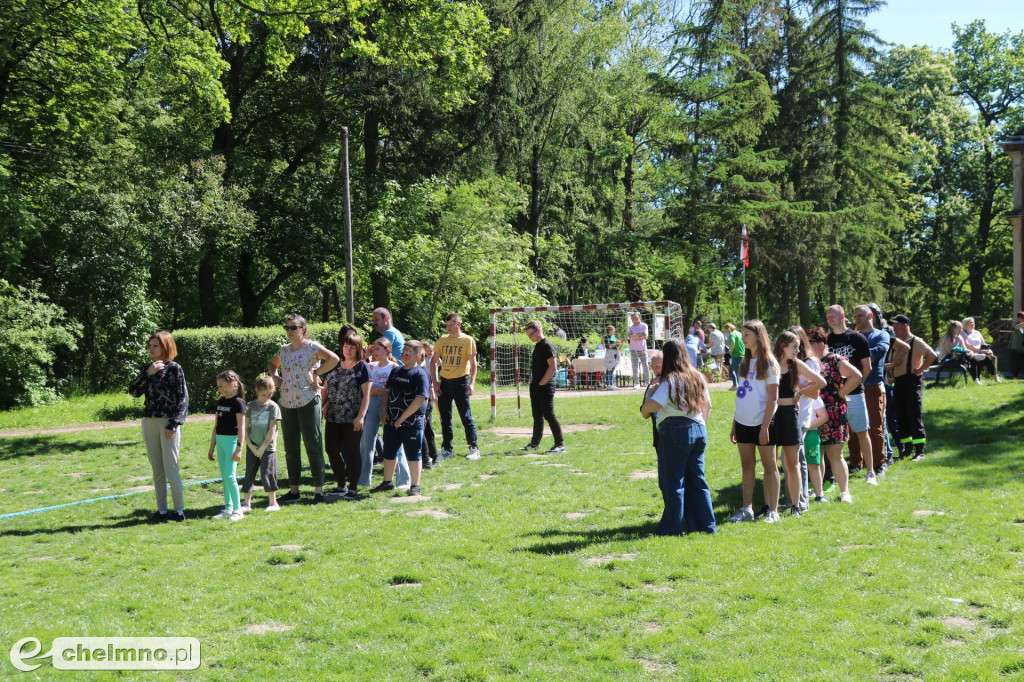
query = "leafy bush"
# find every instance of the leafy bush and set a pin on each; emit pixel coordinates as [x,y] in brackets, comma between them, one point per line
[205,353]
[31,329]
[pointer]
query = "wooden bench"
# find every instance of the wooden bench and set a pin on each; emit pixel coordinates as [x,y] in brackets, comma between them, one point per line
[951,370]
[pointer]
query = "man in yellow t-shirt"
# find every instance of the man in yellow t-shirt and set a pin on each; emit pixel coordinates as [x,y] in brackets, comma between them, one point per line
[455,355]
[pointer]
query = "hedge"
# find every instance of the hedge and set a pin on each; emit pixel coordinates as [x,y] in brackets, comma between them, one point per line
[205,353]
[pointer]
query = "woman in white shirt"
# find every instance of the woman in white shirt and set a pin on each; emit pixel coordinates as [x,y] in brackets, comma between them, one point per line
[682,404]
[981,353]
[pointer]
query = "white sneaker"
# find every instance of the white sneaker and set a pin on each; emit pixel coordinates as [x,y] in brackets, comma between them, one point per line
[246,508]
[846,497]
[772,517]
[236,516]
[474,454]
[225,514]
[871,479]
[273,507]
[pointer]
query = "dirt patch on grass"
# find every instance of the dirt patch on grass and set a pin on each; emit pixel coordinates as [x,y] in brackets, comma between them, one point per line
[448,487]
[405,585]
[487,477]
[527,431]
[74,474]
[657,668]
[139,488]
[958,622]
[641,475]
[385,511]
[136,479]
[405,499]
[609,558]
[432,513]
[290,548]
[576,515]
[33,492]
[846,547]
[43,558]
[99,490]
[560,465]
[581,473]
[264,628]
[538,455]
[911,530]
[650,627]
[657,589]
[928,512]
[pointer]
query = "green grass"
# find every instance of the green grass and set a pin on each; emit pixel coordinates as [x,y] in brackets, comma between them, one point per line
[105,407]
[510,588]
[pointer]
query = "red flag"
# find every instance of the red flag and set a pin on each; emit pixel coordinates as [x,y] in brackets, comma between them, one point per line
[745,249]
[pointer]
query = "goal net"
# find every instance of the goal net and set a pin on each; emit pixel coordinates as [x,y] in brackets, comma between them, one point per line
[584,368]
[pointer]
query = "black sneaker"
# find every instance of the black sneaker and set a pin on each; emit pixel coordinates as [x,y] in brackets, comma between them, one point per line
[414,490]
[176,516]
[383,487]
[557,450]
[318,498]
[290,496]
[351,495]
[427,466]
[529,447]
[338,492]
[160,517]
[762,513]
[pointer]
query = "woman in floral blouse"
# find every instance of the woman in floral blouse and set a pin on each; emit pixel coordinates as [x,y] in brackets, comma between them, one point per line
[162,382]
[346,397]
[301,362]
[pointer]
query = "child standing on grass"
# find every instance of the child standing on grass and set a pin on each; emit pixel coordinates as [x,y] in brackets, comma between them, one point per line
[812,445]
[261,443]
[611,356]
[657,360]
[227,429]
[429,440]
[402,414]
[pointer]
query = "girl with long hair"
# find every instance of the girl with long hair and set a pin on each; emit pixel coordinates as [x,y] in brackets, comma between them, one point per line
[785,426]
[757,396]
[682,404]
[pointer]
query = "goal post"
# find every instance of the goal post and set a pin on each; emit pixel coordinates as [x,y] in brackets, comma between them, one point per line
[565,326]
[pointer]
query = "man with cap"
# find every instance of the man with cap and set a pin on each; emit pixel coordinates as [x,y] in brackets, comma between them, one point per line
[908,388]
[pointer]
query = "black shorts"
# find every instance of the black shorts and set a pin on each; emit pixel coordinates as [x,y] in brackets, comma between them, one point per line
[785,427]
[750,434]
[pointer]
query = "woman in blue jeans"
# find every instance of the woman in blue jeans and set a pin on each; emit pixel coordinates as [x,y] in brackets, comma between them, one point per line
[681,405]
[381,366]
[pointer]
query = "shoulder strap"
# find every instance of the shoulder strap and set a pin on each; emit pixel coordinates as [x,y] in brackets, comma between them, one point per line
[910,353]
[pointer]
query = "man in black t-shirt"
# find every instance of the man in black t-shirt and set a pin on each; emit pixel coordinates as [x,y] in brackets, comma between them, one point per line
[853,346]
[542,388]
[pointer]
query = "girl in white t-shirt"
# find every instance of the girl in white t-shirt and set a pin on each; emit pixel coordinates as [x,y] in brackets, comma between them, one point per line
[756,398]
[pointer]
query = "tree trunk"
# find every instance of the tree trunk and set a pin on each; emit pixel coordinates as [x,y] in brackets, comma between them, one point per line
[803,295]
[533,213]
[209,313]
[379,288]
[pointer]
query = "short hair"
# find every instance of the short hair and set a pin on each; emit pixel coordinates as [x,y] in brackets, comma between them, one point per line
[453,317]
[711,325]
[414,346]
[300,322]
[729,327]
[352,339]
[166,342]
[265,381]
[533,324]
[584,339]
[817,335]
[968,320]
[383,312]
[610,326]
[635,314]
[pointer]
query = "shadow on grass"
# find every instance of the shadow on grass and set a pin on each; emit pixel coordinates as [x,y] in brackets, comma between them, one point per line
[32,446]
[988,438]
[576,540]
[137,517]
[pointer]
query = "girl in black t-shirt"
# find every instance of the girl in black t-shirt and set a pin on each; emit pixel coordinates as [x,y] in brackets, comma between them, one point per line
[228,431]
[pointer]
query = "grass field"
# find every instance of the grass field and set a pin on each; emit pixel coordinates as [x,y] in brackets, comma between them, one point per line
[526,567]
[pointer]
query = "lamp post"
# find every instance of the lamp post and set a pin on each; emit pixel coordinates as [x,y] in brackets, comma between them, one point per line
[1014,147]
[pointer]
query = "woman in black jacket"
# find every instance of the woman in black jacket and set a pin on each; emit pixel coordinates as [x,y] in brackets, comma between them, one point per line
[162,381]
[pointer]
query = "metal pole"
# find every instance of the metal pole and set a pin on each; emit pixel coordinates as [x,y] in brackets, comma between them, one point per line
[349,287]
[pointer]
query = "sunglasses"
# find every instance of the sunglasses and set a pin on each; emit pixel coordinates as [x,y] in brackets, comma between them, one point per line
[292,327]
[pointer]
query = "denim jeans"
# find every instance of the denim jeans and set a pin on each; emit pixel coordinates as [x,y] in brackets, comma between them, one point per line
[681,445]
[406,437]
[370,426]
[454,390]
[734,368]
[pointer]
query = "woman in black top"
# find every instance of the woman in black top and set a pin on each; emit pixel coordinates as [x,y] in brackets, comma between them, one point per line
[162,381]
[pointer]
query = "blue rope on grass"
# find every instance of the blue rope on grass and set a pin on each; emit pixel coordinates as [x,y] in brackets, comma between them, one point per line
[118,496]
